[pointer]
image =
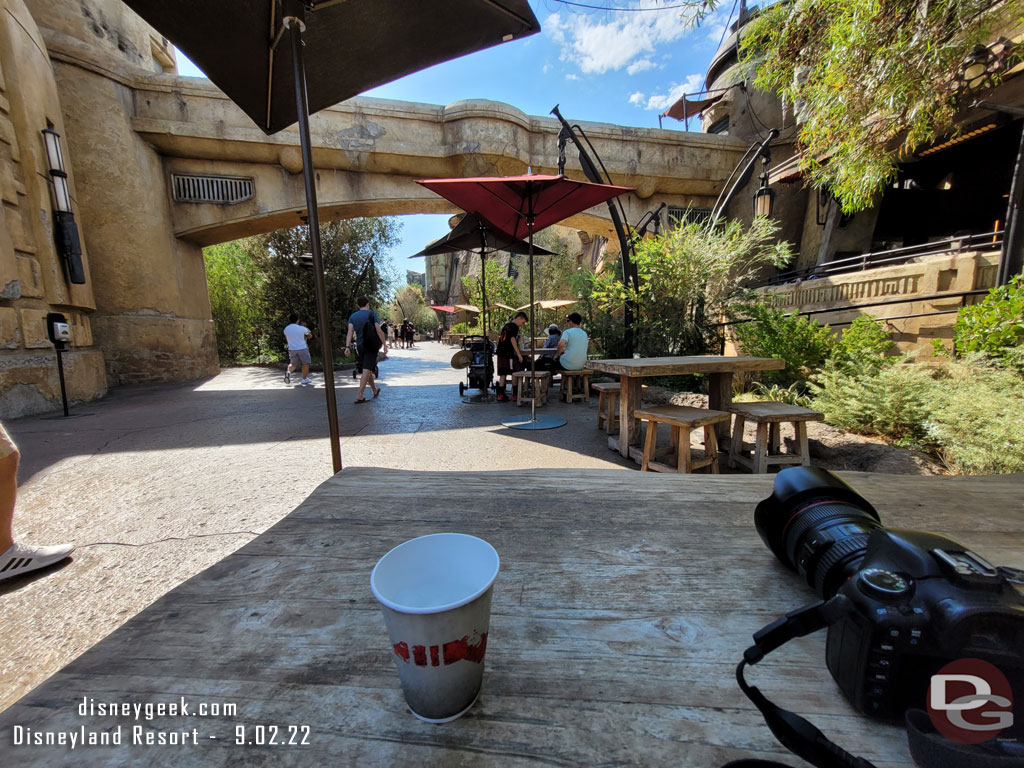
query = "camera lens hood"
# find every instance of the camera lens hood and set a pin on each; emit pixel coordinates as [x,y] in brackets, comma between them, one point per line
[794,489]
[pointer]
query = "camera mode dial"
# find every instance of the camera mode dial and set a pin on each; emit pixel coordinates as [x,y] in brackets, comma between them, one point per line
[883,584]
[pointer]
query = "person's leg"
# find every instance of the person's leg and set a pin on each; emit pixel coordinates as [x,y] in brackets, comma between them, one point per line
[304,357]
[363,381]
[8,494]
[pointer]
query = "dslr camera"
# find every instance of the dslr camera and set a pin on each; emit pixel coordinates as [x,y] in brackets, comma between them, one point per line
[914,601]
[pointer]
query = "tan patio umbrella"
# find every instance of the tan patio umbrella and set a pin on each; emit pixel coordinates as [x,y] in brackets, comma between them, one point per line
[338,49]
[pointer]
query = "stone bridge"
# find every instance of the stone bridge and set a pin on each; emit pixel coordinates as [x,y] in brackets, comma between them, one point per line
[368,152]
[159,166]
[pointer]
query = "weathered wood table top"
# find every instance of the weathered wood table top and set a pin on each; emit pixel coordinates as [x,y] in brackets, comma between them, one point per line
[623,605]
[719,368]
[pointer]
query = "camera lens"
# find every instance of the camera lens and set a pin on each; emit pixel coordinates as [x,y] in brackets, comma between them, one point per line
[817,525]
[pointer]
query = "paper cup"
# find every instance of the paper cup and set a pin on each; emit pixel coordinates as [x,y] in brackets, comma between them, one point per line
[435,592]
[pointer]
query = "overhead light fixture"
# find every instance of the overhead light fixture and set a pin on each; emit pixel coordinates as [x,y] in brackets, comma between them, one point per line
[65,230]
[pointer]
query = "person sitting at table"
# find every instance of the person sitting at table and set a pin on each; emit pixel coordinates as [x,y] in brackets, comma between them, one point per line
[554,336]
[510,359]
[571,352]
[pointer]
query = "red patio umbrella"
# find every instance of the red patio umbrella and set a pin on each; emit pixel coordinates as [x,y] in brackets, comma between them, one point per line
[518,206]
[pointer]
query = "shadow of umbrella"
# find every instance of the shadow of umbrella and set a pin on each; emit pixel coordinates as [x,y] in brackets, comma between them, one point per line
[517,207]
[350,46]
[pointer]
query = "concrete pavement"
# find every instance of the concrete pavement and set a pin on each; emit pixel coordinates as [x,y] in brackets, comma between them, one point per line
[153,484]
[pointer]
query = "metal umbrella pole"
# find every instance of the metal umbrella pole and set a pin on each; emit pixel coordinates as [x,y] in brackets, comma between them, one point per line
[296,27]
[545,421]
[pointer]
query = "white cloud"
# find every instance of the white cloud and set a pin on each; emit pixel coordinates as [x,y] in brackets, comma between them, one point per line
[639,66]
[618,41]
[662,101]
[545,68]
[571,76]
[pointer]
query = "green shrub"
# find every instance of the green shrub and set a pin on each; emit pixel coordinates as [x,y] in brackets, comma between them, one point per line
[995,327]
[865,343]
[977,419]
[804,344]
[892,401]
[793,395]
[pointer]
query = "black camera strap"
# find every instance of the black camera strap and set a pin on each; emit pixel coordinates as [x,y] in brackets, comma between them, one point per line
[796,733]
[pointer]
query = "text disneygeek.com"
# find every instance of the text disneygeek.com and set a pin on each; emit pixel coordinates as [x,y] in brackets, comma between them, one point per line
[117,734]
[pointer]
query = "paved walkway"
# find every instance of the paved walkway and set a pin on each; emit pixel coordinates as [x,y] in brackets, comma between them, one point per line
[156,483]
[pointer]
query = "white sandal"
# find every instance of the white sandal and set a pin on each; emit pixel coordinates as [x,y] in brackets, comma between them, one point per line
[21,558]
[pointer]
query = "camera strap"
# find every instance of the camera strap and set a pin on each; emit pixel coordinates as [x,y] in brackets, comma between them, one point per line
[796,733]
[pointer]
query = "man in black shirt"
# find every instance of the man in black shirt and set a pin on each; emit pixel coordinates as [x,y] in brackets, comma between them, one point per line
[510,359]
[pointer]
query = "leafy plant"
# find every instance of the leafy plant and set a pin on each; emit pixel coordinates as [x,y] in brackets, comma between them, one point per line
[893,401]
[793,395]
[804,344]
[995,327]
[235,286]
[501,289]
[869,80]
[865,343]
[977,419]
[690,277]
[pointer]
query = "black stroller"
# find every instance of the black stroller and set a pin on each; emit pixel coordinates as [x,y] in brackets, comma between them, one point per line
[480,371]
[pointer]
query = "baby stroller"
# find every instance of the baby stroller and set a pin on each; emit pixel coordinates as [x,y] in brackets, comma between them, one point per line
[358,370]
[480,371]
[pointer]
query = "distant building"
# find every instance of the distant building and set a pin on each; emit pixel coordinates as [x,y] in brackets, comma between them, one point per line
[416,278]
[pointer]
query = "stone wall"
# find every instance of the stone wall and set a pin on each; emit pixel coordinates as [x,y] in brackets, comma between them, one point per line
[929,287]
[32,277]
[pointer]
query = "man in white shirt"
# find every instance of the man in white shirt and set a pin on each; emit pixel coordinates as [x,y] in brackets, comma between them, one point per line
[298,352]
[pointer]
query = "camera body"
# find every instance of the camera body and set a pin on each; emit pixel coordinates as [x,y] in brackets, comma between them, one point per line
[918,602]
[915,600]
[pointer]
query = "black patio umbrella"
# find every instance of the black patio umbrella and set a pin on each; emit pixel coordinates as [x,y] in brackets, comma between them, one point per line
[473,233]
[351,46]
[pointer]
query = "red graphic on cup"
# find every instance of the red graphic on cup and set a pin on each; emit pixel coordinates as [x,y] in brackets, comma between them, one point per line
[456,650]
[970,701]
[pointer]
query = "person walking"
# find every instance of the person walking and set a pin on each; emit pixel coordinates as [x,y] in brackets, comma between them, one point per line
[298,351]
[364,329]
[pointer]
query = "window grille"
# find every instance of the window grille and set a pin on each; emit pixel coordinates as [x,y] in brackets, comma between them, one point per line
[684,215]
[225,190]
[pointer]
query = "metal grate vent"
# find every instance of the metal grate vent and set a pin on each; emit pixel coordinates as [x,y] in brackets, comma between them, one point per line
[226,190]
[682,215]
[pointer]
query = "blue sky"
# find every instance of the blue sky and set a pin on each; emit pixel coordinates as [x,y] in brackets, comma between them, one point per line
[623,67]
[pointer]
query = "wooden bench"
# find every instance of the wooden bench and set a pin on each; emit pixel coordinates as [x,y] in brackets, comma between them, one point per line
[767,449]
[607,395]
[567,389]
[530,385]
[683,419]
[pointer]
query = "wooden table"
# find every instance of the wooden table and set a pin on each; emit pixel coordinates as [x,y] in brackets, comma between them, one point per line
[614,637]
[719,368]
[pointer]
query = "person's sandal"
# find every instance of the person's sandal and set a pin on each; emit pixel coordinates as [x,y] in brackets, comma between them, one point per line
[361,400]
[376,391]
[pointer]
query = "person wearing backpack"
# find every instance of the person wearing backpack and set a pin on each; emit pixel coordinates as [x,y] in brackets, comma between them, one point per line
[364,329]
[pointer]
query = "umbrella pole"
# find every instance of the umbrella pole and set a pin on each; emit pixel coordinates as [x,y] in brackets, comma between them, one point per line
[533,333]
[296,27]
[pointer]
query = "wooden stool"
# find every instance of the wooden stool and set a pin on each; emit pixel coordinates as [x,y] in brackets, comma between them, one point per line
[607,395]
[539,387]
[565,389]
[767,449]
[683,420]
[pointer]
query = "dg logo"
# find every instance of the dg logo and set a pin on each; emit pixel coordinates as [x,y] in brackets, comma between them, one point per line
[970,701]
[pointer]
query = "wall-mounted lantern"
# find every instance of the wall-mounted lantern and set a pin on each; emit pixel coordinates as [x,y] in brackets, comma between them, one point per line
[64,227]
[764,198]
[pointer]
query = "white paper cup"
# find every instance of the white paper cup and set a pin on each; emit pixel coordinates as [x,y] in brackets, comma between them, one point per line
[435,592]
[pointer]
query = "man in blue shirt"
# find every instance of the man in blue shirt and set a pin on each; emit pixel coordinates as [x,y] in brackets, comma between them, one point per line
[364,330]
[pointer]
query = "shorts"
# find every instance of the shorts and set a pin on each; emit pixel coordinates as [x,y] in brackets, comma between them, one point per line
[508,365]
[299,356]
[7,446]
[368,360]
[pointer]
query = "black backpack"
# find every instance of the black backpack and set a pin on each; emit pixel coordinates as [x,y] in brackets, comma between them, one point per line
[371,341]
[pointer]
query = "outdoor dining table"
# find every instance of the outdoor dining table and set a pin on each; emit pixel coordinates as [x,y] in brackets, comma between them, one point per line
[623,604]
[719,368]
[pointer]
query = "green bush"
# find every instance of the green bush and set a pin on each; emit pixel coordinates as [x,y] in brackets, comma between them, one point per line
[793,395]
[804,344]
[977,419]
[865,343]
[995,327]
[892,401]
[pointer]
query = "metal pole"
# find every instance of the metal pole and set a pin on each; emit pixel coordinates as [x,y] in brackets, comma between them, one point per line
[1011,261]
[296,28]
[60,375]
[533,356]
